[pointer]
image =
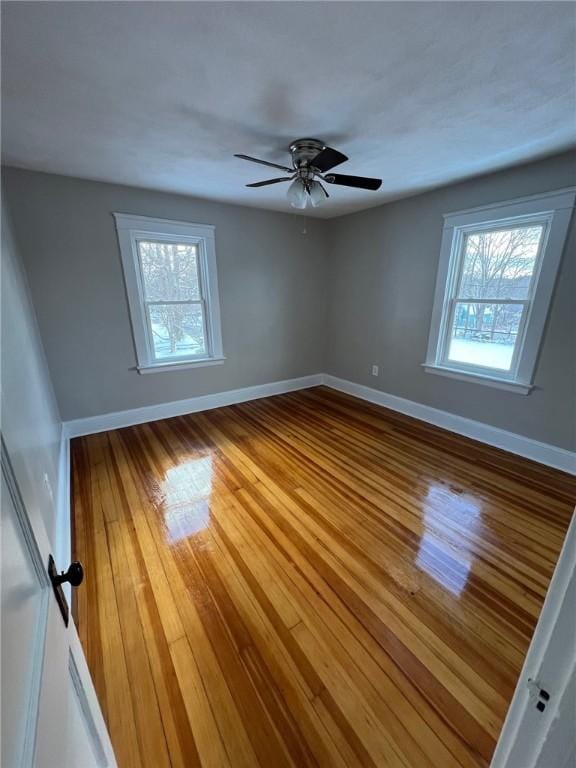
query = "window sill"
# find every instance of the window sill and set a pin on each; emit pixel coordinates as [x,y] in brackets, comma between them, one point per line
[180,366]
[511,386]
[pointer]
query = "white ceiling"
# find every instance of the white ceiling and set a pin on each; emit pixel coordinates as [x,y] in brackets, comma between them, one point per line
[161,94]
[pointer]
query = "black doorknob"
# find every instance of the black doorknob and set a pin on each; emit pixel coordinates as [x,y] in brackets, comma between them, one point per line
[74,575]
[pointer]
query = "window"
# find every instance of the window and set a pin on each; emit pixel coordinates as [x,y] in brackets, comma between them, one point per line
[497,270]
[172,287]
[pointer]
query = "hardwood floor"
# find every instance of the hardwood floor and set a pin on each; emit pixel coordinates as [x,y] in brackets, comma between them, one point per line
[308,580]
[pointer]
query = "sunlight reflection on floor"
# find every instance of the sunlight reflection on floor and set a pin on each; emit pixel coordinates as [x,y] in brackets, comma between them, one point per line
[449,519]
[187,489]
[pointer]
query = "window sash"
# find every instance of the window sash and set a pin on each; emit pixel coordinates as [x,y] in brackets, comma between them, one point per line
[444,359]
[466,232]
[176,358]
[172,241]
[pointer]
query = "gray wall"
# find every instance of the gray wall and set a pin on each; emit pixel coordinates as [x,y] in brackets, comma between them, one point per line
[353,292]
[271,280]
[31,424]
[382,275]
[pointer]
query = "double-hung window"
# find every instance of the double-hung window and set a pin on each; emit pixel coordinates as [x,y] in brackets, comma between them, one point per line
[497,270]
[172,288]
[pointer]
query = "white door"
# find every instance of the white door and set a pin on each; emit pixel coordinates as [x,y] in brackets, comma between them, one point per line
[50,714]
[539,730]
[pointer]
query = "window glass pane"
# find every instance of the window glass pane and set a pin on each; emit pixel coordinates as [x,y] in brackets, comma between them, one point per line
[499,264]
[484,334]
[177,330]
[169,271]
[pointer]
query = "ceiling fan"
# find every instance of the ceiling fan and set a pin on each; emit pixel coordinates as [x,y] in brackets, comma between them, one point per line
[312,163]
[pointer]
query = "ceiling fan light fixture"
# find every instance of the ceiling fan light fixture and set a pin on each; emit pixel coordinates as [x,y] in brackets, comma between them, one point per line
[317,194]
[297,194]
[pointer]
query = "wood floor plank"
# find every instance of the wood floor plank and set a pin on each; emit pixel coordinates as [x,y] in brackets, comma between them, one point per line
[298,687]
[328,600]
[179,738]
[318,606]
[255,568]
[212,751]
[408,637]
[308,580]
[137,501]
[203,626]
[147,716]
[116,692]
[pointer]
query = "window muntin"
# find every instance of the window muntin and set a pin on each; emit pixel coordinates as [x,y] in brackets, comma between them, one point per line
[172,290]
[496,271]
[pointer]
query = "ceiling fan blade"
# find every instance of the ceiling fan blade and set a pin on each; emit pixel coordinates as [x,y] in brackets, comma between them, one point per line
[328,158]
[269,181]
[360,182]
[265,162]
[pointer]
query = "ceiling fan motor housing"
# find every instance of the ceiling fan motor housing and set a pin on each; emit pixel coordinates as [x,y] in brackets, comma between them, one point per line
[303,151]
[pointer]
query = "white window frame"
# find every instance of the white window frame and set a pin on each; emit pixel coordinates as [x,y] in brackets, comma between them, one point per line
[131,230]
[553,210]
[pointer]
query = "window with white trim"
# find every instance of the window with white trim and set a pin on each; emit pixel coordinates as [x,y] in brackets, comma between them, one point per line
[497,270]
[172,289]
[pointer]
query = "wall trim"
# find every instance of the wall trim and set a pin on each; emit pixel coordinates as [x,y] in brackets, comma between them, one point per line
[93,424]
[63,543]
[543,453]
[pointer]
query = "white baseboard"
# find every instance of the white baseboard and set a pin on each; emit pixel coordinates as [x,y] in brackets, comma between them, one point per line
[484,433]
[93,424]
[543,453]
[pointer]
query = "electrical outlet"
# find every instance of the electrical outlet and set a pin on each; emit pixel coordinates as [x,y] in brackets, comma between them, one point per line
[374,370]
